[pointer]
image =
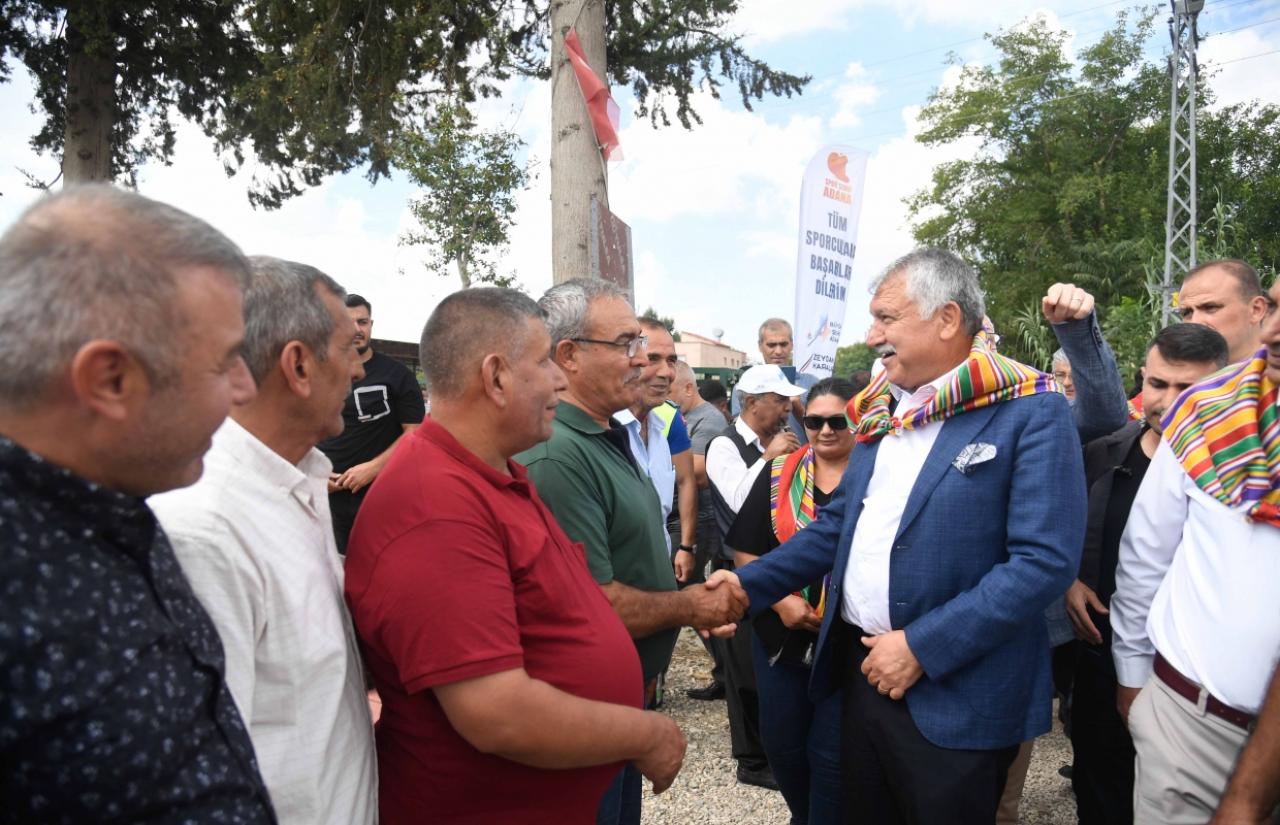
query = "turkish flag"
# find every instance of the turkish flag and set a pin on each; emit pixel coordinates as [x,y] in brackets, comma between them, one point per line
[600,106]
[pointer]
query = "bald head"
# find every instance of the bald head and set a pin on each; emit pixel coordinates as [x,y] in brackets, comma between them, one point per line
[100,263]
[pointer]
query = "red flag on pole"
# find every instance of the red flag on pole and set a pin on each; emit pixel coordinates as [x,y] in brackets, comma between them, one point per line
[600,106]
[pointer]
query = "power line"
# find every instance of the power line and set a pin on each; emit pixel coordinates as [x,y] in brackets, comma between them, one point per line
[801,104]
[982,36]
[1059,99]
[1241,28]
[1241,59]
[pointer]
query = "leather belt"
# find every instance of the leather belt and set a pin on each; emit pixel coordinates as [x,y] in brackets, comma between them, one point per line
[1198,696]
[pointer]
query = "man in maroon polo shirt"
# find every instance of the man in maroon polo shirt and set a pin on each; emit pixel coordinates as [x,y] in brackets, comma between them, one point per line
[510,688]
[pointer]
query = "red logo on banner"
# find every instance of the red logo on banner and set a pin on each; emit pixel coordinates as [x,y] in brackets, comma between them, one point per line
[837,162]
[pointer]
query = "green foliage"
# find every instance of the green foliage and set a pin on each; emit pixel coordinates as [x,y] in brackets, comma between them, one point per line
[1068,183]
[670,323]
[179,56]
[1032,340]
[663,50]
[853,357]
[300,89]
[469,180]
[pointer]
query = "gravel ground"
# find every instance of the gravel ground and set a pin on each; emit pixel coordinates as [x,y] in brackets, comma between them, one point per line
[707,791]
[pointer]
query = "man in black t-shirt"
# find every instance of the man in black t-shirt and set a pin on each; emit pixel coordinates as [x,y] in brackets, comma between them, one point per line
[382,407]
[1102,772]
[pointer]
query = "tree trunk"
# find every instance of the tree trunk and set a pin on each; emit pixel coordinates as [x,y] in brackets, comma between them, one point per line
[464,272]
[577,169]
[91,108]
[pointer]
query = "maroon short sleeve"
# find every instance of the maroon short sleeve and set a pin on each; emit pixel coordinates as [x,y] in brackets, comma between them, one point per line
[464,624]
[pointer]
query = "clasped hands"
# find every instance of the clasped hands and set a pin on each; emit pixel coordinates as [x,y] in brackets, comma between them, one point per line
[715,608]
[354,479]
[890,666]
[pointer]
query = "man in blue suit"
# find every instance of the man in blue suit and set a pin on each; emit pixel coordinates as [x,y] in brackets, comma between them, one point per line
[959,519]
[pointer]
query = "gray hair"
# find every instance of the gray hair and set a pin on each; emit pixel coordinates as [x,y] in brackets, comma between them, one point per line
[567,305]
[94,262]
[1060,357]
[936,277]
[282,304]
[774,323]
[684,373]
[466,327]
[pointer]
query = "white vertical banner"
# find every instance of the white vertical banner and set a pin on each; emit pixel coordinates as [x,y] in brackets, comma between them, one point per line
[830,203]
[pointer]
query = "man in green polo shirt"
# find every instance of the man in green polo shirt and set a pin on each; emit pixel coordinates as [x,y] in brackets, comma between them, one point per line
[588,478]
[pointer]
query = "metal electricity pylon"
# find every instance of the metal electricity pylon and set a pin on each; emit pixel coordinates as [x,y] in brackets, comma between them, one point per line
[1180,220]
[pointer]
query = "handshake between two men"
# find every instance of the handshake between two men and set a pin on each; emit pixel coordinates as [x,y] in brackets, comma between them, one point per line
[890,666]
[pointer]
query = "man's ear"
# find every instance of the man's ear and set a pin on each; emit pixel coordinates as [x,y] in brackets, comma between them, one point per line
[952,321]
[109,380]
[1258,309]
[297,368]
[565,354]
[495,379]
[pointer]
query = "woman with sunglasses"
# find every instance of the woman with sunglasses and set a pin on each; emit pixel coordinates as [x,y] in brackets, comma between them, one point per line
[801,739]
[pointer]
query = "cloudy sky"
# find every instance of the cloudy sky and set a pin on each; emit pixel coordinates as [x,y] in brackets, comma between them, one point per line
[713,211]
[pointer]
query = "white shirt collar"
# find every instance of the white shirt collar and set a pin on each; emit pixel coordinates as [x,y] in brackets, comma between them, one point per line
[748,434]
[269,467]
[923,393]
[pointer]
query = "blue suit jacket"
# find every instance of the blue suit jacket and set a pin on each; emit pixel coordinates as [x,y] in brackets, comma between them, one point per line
[977,558]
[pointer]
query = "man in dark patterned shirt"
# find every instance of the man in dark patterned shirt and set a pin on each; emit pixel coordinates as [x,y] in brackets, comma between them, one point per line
[120,328]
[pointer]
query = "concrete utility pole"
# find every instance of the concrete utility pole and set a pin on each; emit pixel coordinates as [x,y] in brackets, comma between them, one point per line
[1180,219]
[577,170]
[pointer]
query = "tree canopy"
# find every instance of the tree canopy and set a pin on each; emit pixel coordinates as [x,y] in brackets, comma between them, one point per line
[312,87]
[853,357]
[1069,182]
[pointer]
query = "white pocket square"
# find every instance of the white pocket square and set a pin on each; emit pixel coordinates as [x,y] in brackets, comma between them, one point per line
[973,455]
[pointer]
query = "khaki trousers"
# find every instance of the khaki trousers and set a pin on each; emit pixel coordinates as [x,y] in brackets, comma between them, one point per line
[1012,797]
[1185,758]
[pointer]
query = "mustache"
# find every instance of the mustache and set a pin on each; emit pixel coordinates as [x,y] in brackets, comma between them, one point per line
[885,349]
[633,376]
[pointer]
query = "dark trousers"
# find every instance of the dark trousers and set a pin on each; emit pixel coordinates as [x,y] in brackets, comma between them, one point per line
[1103,764]
[894,776]
[801,738]
[706,551]
[740,693]
[343,507]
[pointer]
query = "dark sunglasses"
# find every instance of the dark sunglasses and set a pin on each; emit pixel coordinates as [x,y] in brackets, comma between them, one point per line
[835,422]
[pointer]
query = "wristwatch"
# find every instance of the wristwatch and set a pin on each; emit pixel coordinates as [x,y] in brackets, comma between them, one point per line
[686,548]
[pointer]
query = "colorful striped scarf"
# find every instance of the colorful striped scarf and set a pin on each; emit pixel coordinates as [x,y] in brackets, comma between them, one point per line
[985,378]
[791,506]
[791,493]
[1226,434]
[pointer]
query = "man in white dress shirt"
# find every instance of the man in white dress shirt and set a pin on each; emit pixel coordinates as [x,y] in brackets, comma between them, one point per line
[254,539]
[1195,613]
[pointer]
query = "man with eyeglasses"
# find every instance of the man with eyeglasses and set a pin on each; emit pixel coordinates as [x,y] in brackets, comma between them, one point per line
[601,496]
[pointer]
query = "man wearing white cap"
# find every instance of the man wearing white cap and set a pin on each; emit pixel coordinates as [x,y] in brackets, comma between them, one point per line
[766,402]
[734,459]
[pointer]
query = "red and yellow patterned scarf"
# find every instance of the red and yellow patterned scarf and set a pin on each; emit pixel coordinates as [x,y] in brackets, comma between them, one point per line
[791,506]
[1136,412]
[985,378]
[1226,434]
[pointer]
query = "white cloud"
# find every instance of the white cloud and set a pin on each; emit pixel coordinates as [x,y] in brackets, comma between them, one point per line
[854,92]
[712,169]
[1241,80]
[766,21]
